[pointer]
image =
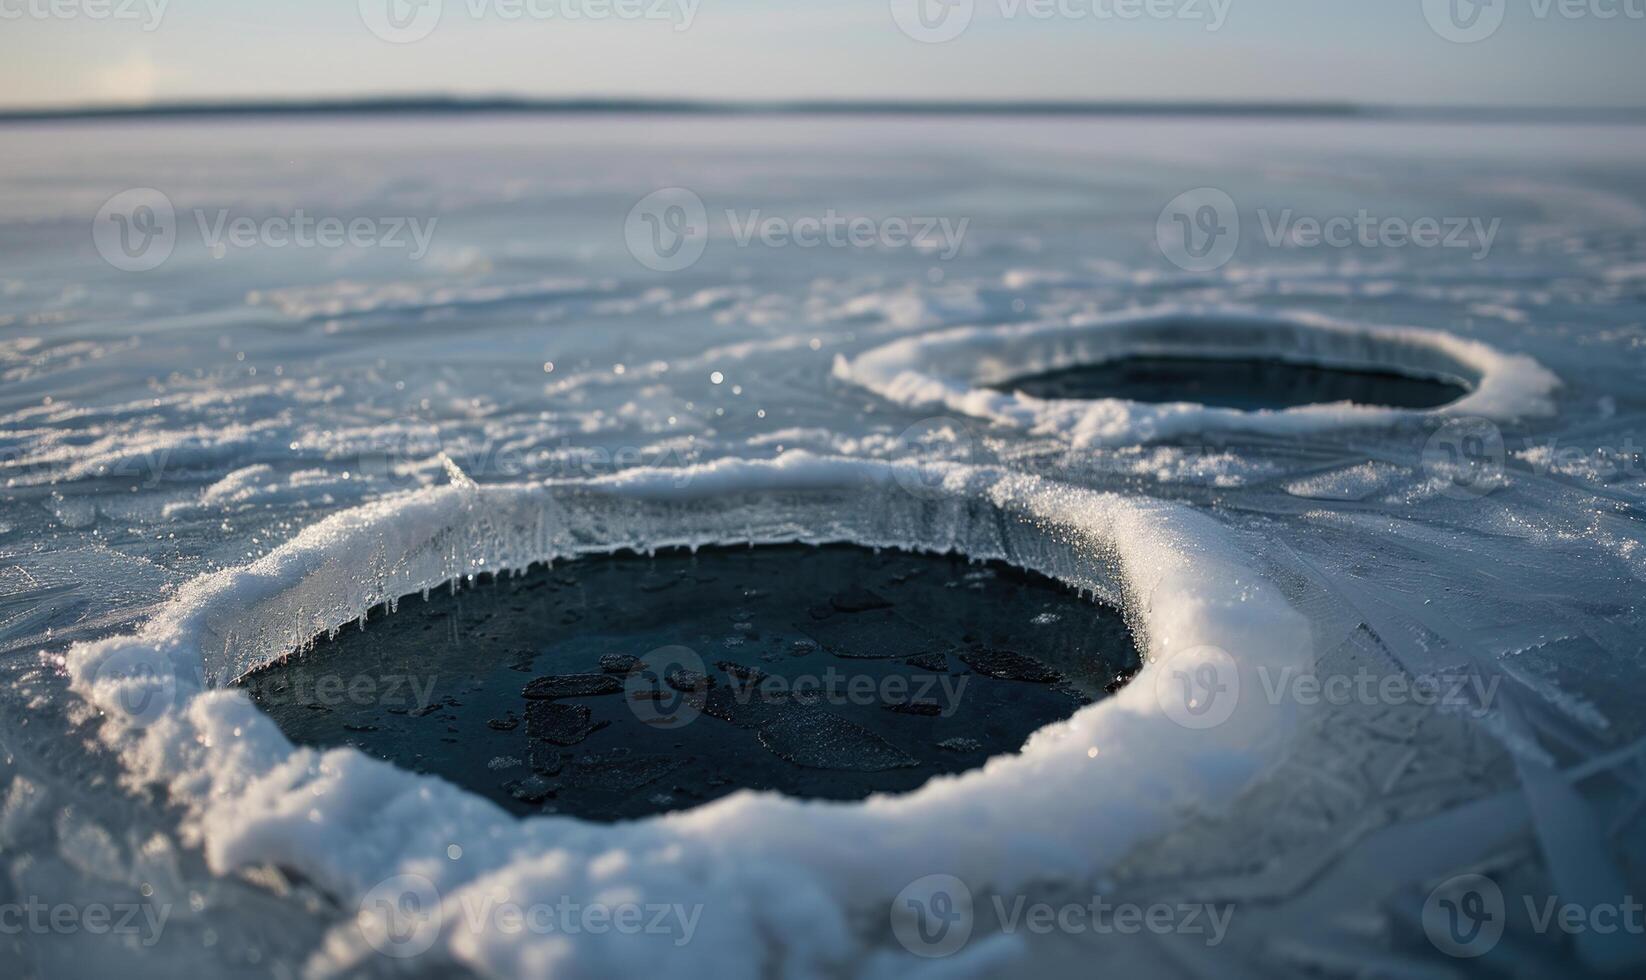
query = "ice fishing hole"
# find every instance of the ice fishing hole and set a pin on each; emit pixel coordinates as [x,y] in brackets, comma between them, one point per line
[1245,384]
[620,686]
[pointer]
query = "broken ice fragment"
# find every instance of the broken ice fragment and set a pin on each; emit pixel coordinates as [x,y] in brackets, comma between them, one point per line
[1009,666]
[561,724]
[545,759]
[618,663]
[820,740]
[532,789]
[936,662]
[746,707]
[571,686]
[688,681]
[925,709]
[745,674]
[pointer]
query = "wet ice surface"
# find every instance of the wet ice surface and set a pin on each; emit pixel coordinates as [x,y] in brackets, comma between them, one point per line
[1249,385]
[155,427]
[617,687]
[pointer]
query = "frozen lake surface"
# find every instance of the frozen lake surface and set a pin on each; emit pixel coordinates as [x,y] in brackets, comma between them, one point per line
[207,464]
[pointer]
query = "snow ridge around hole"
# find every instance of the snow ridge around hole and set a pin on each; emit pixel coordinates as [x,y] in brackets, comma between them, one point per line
[953,370]
[780,884]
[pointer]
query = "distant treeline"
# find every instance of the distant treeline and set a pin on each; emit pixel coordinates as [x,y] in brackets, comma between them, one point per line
[454,105]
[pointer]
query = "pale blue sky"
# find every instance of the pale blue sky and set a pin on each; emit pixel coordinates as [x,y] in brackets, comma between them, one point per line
[1357,50]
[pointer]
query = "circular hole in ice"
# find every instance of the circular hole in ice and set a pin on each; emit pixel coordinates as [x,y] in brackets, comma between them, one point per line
[1175,372]
[620,686]
[1245,383]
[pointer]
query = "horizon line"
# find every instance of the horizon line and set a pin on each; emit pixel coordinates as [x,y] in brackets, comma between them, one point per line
[455,104]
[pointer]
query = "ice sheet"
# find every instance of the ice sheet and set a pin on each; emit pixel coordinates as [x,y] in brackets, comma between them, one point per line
[231,454]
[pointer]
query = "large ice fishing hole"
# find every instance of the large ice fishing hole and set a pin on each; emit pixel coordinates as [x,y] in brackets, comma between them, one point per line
[620,686]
